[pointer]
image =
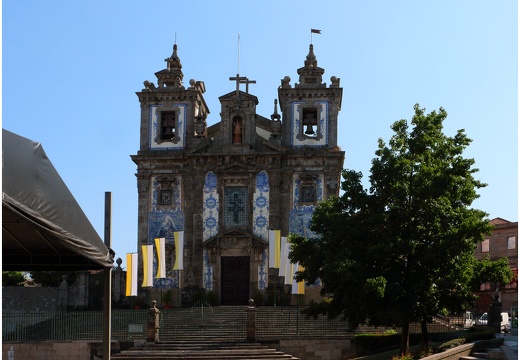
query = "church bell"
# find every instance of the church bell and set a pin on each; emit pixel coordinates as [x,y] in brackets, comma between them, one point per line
[167,134]
[309,131]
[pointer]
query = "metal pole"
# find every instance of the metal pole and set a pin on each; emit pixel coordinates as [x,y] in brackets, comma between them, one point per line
[297,312]
[107,281]
[275,284]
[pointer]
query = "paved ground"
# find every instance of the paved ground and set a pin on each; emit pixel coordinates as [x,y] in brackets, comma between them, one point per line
[511,342]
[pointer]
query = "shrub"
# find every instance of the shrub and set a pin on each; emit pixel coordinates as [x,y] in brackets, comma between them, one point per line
[451,344]
[480,333]
[366,344]
[403,357]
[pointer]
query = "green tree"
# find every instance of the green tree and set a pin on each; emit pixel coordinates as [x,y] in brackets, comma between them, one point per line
[402,250]
[488,271]
[52,278]
[13,278]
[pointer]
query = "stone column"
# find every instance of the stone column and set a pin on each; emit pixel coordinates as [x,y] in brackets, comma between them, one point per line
[251,321]
[153,323]
[63,291]
[117,284]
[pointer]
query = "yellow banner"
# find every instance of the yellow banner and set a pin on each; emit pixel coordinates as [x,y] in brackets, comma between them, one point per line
[147,265]
[131,274]
[161,266]
[179,250]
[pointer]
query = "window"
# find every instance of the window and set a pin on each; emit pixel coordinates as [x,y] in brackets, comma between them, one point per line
[168,125]
[511,242]
[485,245]
[166,189]
[485,286]
[165,197]
[308,194]
[235,206]
[308,189]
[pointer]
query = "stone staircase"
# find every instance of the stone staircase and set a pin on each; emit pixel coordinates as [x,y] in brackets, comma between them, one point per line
[492,353]
[201,351]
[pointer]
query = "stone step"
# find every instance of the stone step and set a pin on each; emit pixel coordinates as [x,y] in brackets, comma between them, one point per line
[199,355]
[202,351]
[480,354]
[494,353]
[203,345]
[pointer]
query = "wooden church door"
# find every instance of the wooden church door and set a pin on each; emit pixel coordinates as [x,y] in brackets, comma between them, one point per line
[234,279]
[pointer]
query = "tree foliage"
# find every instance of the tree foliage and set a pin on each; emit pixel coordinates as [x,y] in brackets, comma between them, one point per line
[52,278]
[13,278]
[402,250]
[487,271]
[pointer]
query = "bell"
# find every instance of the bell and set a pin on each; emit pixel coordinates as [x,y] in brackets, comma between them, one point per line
[167,134]
[309,131]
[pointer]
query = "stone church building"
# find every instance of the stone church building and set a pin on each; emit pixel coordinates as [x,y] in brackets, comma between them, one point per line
[226,185]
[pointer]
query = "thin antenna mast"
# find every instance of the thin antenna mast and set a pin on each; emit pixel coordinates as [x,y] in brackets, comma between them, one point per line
[238,45]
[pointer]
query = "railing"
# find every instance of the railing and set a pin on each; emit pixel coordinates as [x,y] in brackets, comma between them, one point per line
[274,323]
[201,323]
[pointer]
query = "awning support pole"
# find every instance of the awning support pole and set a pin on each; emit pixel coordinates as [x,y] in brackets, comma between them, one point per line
[107,281]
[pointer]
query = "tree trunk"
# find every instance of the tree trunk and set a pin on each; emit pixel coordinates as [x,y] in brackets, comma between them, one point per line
[405,338]
[424,332]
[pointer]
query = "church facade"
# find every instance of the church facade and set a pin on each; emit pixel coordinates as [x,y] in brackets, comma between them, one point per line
[225,186]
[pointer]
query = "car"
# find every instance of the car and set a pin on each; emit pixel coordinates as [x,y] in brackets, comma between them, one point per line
[483,321]
[505,321]
[469,321]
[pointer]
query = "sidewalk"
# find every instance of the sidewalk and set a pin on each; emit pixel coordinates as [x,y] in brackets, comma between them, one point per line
[510,347]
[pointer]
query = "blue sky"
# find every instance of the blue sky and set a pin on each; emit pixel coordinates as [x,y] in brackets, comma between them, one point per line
[71,70]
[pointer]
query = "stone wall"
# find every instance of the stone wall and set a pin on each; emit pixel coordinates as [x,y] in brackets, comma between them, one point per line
[73,350]
[315,349]
[307,349]
[19,299]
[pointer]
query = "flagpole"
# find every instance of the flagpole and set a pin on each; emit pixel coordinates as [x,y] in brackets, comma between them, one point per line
[275,283]
[297,312]
[314,31]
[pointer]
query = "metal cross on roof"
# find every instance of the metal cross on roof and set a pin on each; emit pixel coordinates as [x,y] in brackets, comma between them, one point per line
[242,80]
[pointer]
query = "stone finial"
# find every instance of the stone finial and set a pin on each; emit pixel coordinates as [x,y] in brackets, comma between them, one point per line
[148,85]
[334,82]
[310,60]
[275,116]
[174,62]
[286,82]
[119,262]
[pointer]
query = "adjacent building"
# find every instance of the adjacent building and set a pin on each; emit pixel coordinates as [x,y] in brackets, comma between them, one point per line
[501,243]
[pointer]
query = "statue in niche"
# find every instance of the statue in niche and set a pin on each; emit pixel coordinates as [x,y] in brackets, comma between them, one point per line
[200,126]
[237,130]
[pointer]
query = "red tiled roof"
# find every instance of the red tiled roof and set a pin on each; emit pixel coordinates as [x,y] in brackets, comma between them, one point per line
[497,221]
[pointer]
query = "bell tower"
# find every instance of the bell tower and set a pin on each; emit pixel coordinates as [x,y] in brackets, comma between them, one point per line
[173,117]
[173,123]
[310,108]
